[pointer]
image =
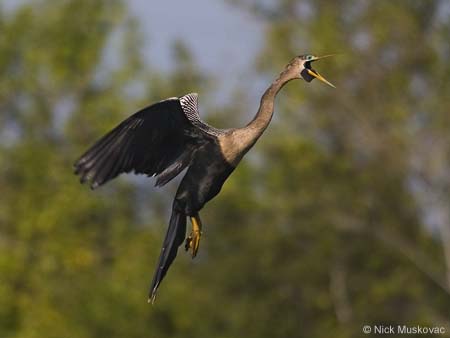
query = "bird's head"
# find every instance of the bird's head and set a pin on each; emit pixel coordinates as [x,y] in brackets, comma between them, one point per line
[300,68]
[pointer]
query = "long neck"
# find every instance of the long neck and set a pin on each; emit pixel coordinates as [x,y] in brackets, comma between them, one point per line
[236,144]
[261,120]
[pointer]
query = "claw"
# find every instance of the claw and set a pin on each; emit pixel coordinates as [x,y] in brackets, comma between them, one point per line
[193,240]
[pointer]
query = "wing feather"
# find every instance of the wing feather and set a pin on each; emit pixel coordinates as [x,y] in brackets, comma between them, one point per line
[157,139]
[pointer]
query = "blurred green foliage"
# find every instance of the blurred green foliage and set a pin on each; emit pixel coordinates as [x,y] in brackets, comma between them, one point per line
[338,218]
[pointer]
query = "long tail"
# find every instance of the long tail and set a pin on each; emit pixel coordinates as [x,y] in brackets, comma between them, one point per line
[174,238]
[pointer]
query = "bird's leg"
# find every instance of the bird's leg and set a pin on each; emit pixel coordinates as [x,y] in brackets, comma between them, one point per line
[193,240]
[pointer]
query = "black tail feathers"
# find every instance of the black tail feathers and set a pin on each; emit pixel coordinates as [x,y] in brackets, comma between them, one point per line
[175,236]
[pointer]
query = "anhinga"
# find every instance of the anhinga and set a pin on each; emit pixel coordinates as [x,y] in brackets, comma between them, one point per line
[167,137]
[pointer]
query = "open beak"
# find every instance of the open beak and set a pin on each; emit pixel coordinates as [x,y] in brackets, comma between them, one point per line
[319,77]
[314,73]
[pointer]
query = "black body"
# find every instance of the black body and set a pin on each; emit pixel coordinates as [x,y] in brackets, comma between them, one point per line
[202,182]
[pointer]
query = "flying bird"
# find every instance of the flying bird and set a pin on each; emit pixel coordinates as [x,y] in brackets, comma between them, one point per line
[167,137]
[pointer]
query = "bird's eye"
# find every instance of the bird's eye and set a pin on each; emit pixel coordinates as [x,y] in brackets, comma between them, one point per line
[309,57]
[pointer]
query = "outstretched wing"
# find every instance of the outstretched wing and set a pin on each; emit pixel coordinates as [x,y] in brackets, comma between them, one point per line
[157,141]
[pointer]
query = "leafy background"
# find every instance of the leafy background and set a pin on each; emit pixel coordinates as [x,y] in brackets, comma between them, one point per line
[338,218]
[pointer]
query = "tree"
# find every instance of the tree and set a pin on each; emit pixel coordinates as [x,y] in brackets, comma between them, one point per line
[324,227]
[74,263]
[354,246]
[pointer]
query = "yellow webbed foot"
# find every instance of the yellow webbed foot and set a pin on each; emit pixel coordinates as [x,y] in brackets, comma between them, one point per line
[193,240]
